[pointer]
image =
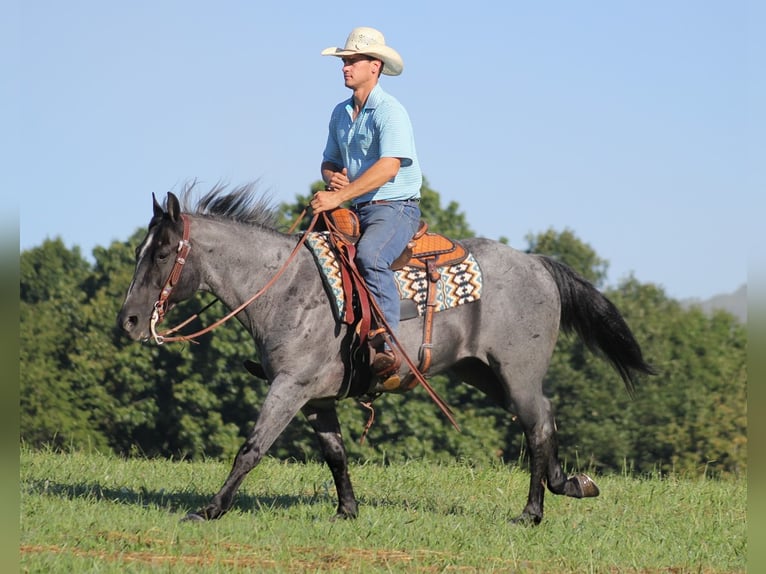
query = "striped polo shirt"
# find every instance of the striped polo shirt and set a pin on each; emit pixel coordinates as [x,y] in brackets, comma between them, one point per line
[382,129]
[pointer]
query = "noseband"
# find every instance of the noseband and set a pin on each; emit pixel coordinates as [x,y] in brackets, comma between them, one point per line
[161,305]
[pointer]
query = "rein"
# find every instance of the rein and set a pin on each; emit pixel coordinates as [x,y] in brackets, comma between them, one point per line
[160,306]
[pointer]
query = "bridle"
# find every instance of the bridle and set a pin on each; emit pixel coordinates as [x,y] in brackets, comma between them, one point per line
[161,305]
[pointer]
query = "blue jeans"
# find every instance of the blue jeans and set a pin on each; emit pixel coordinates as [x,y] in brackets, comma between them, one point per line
[386,230]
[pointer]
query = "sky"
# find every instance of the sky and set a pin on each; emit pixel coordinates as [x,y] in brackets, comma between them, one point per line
[638,126]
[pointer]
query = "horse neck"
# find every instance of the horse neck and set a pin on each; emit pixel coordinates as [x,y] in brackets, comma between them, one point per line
[236,260]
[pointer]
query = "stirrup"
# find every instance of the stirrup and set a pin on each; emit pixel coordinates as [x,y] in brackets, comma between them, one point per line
[392,383]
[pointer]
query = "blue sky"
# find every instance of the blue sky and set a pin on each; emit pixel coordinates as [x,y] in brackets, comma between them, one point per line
[637,125]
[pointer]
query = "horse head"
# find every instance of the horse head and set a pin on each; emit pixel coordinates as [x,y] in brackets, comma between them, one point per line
[158,283]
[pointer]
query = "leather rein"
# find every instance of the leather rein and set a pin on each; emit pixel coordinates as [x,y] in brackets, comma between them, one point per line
[184,246]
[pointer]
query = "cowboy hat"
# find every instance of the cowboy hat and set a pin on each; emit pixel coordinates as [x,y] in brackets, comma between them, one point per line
[369,42]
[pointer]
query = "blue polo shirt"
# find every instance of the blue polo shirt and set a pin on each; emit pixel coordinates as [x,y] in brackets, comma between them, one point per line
[382,129]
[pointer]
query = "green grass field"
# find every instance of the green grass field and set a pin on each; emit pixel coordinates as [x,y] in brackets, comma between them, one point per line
[94,513]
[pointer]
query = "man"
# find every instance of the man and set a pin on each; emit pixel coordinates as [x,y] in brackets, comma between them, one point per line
[370,160]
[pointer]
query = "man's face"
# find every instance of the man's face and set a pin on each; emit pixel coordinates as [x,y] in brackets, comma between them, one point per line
[359,70]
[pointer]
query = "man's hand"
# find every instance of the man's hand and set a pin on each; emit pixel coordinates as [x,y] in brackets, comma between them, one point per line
[338,180]
[325,201]
[329,199]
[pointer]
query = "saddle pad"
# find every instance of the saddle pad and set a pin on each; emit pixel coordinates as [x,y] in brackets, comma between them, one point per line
[457,285]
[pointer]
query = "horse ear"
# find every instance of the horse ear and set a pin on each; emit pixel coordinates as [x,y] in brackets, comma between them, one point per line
[158,213]
[174,207]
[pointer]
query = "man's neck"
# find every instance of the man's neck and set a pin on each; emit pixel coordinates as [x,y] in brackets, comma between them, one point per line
[360,97]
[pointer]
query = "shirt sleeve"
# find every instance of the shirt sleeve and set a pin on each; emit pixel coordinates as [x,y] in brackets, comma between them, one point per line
[332,151]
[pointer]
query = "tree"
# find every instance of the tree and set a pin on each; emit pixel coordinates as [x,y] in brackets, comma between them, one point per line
[449,221]
[692,417]
[568,249]
[54,404]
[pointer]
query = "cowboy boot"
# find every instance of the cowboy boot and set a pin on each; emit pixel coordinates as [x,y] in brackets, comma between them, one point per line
[385,360]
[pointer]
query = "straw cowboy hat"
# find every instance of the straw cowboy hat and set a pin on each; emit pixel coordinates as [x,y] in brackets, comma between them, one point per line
[369,42]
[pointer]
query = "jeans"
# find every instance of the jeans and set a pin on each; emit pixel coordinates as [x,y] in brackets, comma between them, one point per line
[386,230]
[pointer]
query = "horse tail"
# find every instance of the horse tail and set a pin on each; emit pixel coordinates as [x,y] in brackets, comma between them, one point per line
[598,322]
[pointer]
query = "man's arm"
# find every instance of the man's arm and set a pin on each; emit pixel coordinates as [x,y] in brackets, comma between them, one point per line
[376,175]
[328,169]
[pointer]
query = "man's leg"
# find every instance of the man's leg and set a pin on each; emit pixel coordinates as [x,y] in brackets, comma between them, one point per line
[386,230]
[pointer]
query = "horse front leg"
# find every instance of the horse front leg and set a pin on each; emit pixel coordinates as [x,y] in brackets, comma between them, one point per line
[283,401]
[323,418]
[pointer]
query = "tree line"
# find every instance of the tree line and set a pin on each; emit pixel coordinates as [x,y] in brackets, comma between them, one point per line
[84,385]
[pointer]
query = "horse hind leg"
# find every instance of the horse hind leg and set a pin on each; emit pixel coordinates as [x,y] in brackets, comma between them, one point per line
[535,415]
[535,419]
[577,486]
[323,419]
[533,411]
[545,467]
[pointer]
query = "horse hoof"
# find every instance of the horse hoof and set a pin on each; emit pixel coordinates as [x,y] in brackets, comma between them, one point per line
[527,520]
[585,486]
[193,517]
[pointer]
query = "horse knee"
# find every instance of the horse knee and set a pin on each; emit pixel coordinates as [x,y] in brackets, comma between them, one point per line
[247,458]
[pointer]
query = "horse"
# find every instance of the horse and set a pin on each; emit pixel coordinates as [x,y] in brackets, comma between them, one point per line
[228,245]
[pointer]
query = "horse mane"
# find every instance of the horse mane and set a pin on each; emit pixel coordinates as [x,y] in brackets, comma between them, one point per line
[241,204]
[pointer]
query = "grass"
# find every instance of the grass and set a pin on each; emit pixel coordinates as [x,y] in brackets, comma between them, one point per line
[85,512]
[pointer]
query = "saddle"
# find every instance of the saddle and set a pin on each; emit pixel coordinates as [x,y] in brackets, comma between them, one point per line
[426,250]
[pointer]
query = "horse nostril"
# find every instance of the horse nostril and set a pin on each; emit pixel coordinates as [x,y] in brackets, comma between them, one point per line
[130,323]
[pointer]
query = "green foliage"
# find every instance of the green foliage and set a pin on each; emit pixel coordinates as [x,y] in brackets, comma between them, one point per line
[82,384]
[693,415]
[56,403]
[446,220]
[568,249]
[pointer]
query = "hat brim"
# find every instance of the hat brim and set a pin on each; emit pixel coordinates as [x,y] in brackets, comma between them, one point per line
[392,61]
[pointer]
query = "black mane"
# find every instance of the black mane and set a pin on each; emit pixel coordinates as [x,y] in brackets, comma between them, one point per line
[239,204]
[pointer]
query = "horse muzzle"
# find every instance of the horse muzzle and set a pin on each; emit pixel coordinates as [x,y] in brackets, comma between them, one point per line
[131,325]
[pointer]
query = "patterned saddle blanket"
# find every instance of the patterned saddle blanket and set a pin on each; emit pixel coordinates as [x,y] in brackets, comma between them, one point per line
[458,284]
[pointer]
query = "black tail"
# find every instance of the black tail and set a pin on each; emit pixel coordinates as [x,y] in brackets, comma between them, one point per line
[598,322]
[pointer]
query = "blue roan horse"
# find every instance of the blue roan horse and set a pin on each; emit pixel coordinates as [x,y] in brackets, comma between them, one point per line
[500,344]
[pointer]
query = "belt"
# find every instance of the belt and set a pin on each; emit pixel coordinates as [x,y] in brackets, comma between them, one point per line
[377,201]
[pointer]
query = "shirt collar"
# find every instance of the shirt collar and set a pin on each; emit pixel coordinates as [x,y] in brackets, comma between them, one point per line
[375,97]
[373,100]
